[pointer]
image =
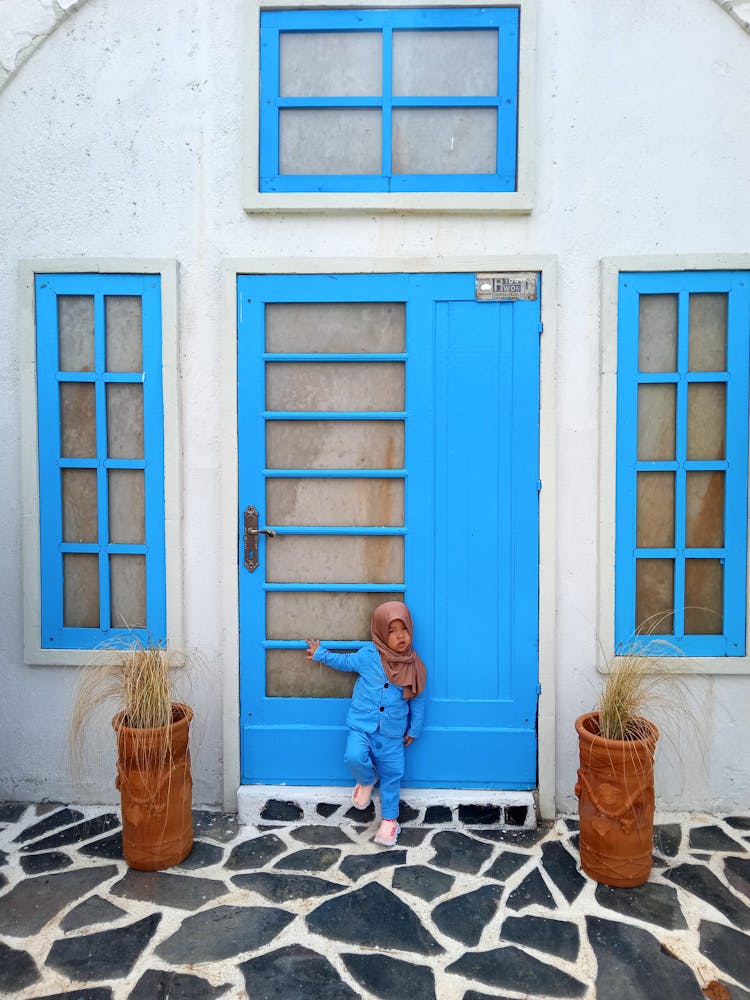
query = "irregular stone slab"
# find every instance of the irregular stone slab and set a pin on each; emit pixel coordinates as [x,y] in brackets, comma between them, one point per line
[557,937]
[512,969]
[473,995]
[421,881]
[17,970]
[36,864]
[11,812]
[406,813]
[412,836]
[311,859]
[506,864]
[3,859]
[667,838]
[294,973]
[479,815]
[573,824]
[63,817]
[514,838]
[706,886]
[215,825]
[160,983]
[106,955]
[277,811]
[373,917]
[652,902]
[713,838]
[532,890]
[108,847]
[438,814]
[223,932]
[255,853]
[326,809]
[202,855]
[738,822]
[90,993]
[390,978]
[465,917]
[94,910]
[357,865]
[366,815]
[726,948]
[281,888]
[165,889]
[76,834]
[561,867]
[633,964]
[737,871]
[321,836]
[458,852]
[34,901]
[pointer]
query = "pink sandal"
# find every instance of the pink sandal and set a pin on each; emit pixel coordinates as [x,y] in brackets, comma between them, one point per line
[361,796]
[388,832]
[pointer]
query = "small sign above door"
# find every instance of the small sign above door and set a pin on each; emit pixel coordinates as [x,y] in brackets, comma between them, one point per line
[506,286]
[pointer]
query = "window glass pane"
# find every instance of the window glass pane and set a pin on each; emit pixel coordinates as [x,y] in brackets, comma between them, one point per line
[331,63]
[335,327]
[124,342]
[80,590]
[708,332]
[444,141]
[707,408]
[335,444]
[705,510]
[77,420]
[343,502]
[332,617]
[704,597]
[335,386]
[335,559]
[127,518]
[657,333]
[330,141]
[289,674]
[79,502]
[75,332]
[128,591]
[125,420]
[656,423]
[655,510]
[654,596]
[444,63]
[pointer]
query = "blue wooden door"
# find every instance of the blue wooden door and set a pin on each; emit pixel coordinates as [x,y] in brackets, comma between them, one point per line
[388,435]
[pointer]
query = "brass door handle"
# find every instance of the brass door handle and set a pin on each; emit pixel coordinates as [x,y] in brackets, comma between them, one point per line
[251,537]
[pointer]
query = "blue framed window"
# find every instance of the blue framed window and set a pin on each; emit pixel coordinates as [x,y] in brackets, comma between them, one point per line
[682,460]
[366,100]
[101,458]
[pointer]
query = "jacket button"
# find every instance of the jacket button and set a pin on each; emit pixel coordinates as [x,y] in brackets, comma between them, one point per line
[382,709]
[386,684]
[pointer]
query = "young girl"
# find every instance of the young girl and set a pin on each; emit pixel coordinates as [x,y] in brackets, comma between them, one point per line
[387,710]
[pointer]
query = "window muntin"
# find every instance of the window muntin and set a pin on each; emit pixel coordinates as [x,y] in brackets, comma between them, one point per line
[389,100]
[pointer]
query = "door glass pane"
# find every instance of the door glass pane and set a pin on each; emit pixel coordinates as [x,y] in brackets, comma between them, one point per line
[444,63]
[657,333]
[128,591]
[656,423]
[289,674]
[330,617]
[75,332]
[704,597]
[335,327]
[79,503]
[127,517]
[655,510]
[330,63]
[330,140]
[654,596]
[125,420]
[124,340]
[707,409]
[335,444]
[444,140]
[705,510]
[335,386]
[708,332]
[343,502]
[335,559]
[77,420]
[80,590]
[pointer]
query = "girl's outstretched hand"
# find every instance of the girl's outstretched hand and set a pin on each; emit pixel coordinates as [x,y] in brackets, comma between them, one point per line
[312,645]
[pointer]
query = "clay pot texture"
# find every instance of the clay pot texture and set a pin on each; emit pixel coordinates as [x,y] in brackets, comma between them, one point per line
[156,791]
[615,792]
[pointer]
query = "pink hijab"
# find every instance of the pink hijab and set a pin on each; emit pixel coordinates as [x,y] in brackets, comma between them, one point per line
[405,669]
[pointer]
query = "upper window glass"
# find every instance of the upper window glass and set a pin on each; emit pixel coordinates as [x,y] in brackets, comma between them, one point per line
[420,100]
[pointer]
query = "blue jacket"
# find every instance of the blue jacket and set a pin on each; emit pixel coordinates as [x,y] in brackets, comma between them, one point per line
[375,701]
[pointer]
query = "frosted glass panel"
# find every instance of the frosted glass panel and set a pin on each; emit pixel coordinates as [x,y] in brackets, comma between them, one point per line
[704,597]
[654,596]
[444,63]
[289,674]
[124,341]
[330,63]
[444,140]
[655,511]
[335,559]
[705,510]
[127,519]
[75,332]
[331,617]
[330,141]
[125,420]
[656,423]
[657,333]
[342,327]
[342,502]
[335,444]
[708,332]
[128,591]
[79,505]
[80,590]
[335,386]
[706,421]
[77,420]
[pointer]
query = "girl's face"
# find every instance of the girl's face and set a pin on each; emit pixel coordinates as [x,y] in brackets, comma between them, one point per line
[399,639]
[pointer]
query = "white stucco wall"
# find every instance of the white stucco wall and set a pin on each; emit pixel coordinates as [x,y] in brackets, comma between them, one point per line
[121,137]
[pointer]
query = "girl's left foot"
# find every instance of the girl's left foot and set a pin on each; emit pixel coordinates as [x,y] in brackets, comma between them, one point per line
[388,832]
[361,796]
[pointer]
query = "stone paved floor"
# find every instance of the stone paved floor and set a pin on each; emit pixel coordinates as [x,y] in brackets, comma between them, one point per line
[297,910]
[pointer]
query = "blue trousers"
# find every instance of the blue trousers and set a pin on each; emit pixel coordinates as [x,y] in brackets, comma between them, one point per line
[370,756]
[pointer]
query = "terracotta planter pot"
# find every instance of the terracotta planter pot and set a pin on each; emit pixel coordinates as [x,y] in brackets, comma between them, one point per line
[156,791]
[615,792]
